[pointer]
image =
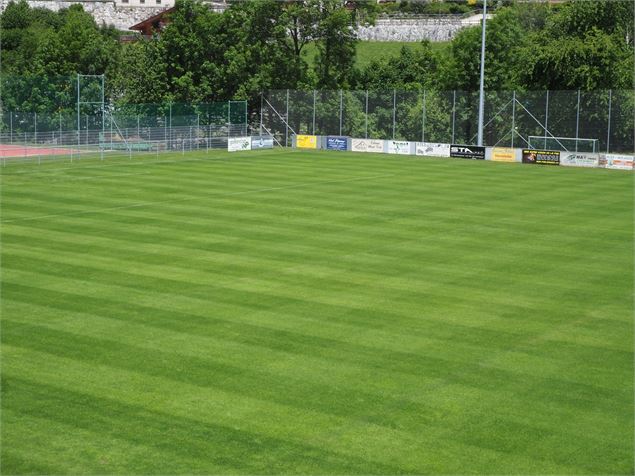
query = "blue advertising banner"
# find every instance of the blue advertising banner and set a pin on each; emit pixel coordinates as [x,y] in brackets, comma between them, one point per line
[336,143]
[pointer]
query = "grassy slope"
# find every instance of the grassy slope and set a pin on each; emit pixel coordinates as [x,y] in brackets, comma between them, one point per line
[369,50]
[316,313]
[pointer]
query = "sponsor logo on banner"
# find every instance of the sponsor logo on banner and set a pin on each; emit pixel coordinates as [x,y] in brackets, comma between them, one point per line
[367,145]
[306,142]
[578,159]
[503,154]
[398,147]
[619,162]
[234,144]
[541,157]
[467,151]
[432,149]
[262,142]
[336,142]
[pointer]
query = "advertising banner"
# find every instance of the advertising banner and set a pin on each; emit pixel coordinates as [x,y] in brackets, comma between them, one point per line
[262,142]
[619,162]
[306,142]
[367,145]
[541,157]
[398,147]
[579,159]
[503,154]
[336,143]
[235,144]
[432,149]
[467,151]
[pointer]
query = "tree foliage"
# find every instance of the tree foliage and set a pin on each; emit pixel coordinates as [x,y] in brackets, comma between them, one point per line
[261,44]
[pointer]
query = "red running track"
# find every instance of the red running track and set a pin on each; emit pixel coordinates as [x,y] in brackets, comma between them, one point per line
[12,150]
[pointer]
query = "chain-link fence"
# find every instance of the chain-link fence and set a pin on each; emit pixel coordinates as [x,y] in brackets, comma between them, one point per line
[584,121]
[130,128]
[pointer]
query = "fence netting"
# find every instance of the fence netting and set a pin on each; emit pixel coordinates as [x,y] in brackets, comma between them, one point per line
[585,121]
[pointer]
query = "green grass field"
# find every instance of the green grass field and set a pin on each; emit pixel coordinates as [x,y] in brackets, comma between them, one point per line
[323,313]
[370,50]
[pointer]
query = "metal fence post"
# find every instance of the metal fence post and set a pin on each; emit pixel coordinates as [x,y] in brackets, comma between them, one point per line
[546,117]
[286,122]
[394,112]
[11,127]
[341,109]
[60,117]
[513,116]
[453,112]
[366,118]
[261,105]
[35,128]
[314,103]
[423,118]
[170,137]
[608,129]
[577,121]
[138,127]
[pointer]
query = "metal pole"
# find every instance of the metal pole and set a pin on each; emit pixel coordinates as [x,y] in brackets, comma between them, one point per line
[314,102]
[11,126]
[366,118]
[286,122]
[453,112]
[608,129]
[170,138]
[577,121]
[261,104]
[78,118]
[341,109]
[60,118]
[394,111]
[103,116]
[246,120]
[35,128]
[423,118]
[513,116]
[481,97]
[138,128]
[546,118]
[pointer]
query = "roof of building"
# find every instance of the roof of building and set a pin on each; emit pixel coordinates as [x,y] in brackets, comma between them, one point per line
[149,22]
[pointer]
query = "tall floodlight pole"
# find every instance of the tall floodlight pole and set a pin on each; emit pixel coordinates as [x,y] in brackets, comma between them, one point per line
[481,97]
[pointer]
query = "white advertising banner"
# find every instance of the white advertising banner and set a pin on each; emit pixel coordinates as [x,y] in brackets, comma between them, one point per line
[432,149]
[579,159]
[367,145]
[235,144]
[398,147]
[619,162]
[262,142]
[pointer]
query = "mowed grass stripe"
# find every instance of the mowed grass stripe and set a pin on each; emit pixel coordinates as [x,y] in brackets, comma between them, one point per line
[175,287]
[382,302]
[188,279]
[323,430]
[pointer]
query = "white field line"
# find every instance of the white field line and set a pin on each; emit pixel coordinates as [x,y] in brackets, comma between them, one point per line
[229,194]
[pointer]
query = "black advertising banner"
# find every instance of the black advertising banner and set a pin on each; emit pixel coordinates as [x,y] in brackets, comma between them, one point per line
[467,151]
[542,157]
